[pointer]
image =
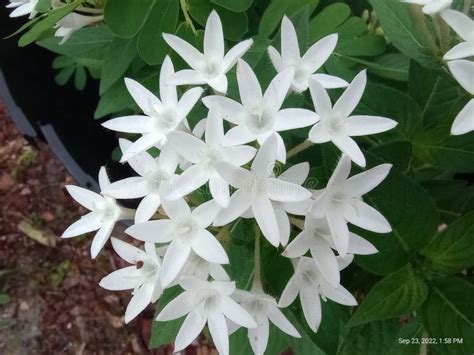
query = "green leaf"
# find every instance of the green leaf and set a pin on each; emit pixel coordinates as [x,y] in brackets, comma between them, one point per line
[235,25]
[46,23]
[62,61]
[410,35]
[414,219]
[4,299]
[43,6]
[396,294]
[327,21]
[80,78]
[364,46]
[90,43]
[162,19]
[397,153]
[448,314]
[117,60]
[234,5]
[381,337]
[163,333]
[64,75]
[275,11]
[393,66]
[126,17]
[453,249]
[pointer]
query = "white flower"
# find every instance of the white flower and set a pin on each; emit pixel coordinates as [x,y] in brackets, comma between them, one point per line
[186,231]
[154,182]
[161,116]
[463,25]
[202,269]
[463,72]
[316,237]
[263,308]
[259,115]
[431,7]
[296,174]
[105,212]
[308,64]
[211,67]
[143,277]
[335,124]
[310,285]
[23,7]
[204,156]
[203,302]
[256,189]
[341,202]
[73,22]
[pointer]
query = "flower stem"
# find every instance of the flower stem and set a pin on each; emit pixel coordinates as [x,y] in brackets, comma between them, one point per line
[299,148]
[467,7]
[184,8]
[257,277]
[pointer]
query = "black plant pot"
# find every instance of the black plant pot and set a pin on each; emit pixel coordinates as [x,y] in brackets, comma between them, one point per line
[61,115]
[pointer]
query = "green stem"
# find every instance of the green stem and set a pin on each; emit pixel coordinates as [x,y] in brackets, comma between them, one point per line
[299,148]
[467,7]
[420,20]
[257,277]
[184,8]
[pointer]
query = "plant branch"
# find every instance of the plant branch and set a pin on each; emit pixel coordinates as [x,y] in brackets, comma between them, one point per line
[299,148]
[257,277]
[189,21]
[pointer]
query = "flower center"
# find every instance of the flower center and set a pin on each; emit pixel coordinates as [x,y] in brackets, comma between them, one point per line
[260,120]
[256,187]
[107,210]
[309,278]
[185,229]
[157,178]
[210,156]
[212,68]
[334,125]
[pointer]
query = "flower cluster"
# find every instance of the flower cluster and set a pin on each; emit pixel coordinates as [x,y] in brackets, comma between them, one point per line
[461,67]
[179,248]
[83,16]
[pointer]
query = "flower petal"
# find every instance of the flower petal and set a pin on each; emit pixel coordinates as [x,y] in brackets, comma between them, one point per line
[147,208]
[128,252]
[276,59]
[186,51]
[205,213]
[174,260]
[219,333]
[176,308]
[265,216]
[129,124]
[214,37]
[144,98]
[214,134]
[348,146]
[311,305]
[230,110]
[140,300]
[86,198]
[190,330]
[459,22]
[289,294]
[325,260]
[101,237]
[142,144]
[238,135]
[284,191]
[351,96]
[176,209]
[278,89]
[157,231]
[278,318]
[187,145]
[190,180]
[464,121]
[364,125]
[436,6]
[463,72]
[235,53]
[290,51]
[293,118]
[187,77]
[235,175]
[219,84]
[208,248]
[366,181]
[283,223]
[219,189]
[87,223]
[168,92]
[239,155]
[319,52]
[360,246]
[296,174]
[239,203]
[188,101]
[339,232]
[122,279]
[237,313]
[369,218]
[144,164]
[329,81]
[132,187]
[249,87]
[338,294]
[321,100]
[258,337]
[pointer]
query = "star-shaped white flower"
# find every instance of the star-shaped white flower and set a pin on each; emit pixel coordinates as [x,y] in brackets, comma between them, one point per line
[105,212]
[296,174]
[463,72]
[310,285]
[143,277]
[305,66]
[431,7]
[23,7]
[335,124]
[260,115]
[256,189]
[203,269]
[153,183]
[186,231]
[211,67]
[161,116]
[73,22]
[263,308]
[341,202]
[316,237]
[204,155]
[205,302]
[463,25]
